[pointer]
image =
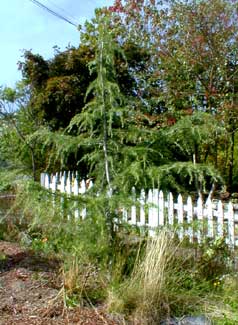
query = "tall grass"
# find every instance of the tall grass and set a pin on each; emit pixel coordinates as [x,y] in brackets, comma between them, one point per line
[144,295]
[151,272]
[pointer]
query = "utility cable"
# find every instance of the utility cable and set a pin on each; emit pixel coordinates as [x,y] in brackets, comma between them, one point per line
[54,13]
[69,15]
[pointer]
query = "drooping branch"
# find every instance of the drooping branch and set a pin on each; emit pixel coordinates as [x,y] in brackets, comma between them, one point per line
[11,120]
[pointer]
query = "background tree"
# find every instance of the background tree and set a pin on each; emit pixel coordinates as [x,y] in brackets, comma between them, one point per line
[58,86]
[193,53]
[17,125]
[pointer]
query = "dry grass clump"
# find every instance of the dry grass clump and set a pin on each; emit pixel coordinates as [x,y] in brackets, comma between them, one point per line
[82,282]
[220,312]
[144,295]
[151,277]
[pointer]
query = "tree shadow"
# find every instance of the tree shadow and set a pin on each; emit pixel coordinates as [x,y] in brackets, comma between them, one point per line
[30,260]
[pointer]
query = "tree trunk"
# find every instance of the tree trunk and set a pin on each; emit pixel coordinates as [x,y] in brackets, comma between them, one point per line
[231,162]
[109,216]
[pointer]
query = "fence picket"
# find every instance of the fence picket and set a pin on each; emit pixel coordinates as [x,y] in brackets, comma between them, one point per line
[82,187]
[231,225]
[133,208]
[76,187]
[124,214]
[155,207]
[142,208]
[161,209]
[62,183]
[150,213]
[170,209]
[200,219]
[76,193]
[210,227]
[220,219]
[42,179]
[47,181]
[68,187]
[180,216]
[190,219]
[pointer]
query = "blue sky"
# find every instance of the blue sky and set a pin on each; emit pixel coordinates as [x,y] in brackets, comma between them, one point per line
[23,25]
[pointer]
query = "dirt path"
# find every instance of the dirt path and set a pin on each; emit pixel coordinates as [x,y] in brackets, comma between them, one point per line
[29,287]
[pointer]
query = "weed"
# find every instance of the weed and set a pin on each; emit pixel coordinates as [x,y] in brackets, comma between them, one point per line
[214,260]
[3,257]
[83,282]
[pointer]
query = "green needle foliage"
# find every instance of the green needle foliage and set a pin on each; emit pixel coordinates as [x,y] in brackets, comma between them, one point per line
[106,125]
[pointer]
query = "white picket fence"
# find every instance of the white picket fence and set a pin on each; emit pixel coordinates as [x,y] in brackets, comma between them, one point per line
[152,209]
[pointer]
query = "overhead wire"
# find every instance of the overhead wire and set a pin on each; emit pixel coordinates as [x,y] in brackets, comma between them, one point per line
[54,13]
[69,15]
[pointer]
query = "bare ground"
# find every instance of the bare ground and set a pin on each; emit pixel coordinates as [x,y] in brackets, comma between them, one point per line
[29,292]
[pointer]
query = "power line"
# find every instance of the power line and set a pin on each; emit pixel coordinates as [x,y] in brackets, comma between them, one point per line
[54,13]
[69,15]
